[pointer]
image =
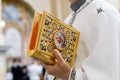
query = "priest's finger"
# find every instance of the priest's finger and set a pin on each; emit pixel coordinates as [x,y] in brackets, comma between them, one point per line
[45,65]
[58,56]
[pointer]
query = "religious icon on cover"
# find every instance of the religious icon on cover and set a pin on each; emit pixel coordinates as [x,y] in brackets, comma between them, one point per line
[59,40]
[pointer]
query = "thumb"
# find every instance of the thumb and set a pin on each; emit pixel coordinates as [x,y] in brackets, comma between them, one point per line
[58,56]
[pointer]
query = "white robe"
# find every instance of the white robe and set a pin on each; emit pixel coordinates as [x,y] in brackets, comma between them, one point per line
[98,54]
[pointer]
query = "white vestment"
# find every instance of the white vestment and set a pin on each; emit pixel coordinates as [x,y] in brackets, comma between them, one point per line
[98,53]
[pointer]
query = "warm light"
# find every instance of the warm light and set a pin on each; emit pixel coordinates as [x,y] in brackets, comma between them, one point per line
[2,23]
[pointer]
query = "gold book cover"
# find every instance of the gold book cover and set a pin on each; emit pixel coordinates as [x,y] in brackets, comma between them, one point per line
[49,33]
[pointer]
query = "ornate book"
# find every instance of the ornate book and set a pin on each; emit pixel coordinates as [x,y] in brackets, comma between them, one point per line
[49,33]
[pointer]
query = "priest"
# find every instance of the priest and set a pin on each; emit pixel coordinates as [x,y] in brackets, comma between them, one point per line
[98,53]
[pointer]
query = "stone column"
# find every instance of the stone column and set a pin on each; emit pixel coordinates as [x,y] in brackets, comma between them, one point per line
[0,10]
[3,67]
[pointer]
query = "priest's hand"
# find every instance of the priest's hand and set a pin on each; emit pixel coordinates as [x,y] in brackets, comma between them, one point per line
[60,69]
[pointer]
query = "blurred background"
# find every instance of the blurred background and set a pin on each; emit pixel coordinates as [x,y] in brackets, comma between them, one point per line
[16,18]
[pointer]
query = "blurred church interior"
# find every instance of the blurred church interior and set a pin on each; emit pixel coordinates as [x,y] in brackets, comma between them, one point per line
[16,18]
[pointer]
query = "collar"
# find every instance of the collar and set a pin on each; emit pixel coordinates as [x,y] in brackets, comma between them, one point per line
[85,4]
[76,5]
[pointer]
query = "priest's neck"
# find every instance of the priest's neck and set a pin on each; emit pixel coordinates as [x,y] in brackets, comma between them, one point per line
[77,4]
